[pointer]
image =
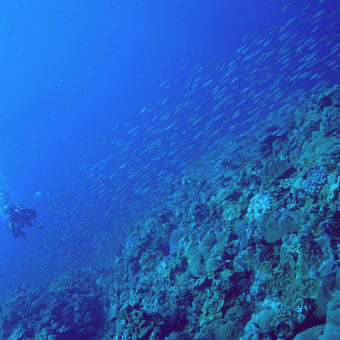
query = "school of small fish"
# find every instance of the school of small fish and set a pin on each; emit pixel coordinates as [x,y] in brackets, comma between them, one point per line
[270,71]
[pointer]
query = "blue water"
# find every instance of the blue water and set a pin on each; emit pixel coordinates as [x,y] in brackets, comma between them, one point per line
[83,93]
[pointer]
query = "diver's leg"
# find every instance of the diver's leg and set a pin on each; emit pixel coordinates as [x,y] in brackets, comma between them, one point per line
[22,234]
[15,230]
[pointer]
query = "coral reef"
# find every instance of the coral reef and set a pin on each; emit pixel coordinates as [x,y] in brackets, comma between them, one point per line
[247,249]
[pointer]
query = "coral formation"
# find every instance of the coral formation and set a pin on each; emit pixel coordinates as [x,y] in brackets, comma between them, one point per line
[247,251]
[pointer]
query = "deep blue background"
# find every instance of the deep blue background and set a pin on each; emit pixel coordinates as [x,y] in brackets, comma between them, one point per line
[70,70]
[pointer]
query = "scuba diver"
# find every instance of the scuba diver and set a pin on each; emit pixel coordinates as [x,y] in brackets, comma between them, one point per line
[17,215]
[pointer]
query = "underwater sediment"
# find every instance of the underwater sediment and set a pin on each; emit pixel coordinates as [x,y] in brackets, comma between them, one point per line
[243,245]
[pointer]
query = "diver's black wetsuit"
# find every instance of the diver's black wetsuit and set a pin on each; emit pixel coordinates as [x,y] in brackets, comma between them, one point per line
[18,216]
